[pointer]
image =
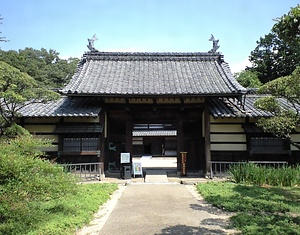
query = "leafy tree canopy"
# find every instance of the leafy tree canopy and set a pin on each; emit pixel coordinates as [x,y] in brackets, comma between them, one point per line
[284,121]
[18,89]
[44,66]
[277,54]
[248,79]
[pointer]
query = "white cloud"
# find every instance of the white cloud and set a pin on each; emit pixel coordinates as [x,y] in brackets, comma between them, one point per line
[238,67]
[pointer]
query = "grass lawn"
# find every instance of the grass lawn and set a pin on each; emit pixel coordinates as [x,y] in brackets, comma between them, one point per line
[63,215]
[259,210]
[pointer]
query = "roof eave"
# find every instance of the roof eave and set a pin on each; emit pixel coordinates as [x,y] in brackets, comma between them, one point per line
[204,95]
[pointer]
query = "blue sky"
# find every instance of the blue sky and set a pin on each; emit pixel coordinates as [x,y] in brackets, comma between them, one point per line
[140,25]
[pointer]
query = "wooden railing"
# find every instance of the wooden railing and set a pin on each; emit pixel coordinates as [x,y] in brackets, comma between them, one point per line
[220,168]
[85,171]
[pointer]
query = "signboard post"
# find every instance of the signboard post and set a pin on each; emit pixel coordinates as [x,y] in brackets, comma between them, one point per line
[125,165]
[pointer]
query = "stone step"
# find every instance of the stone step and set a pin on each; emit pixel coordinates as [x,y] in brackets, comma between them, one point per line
[156,176]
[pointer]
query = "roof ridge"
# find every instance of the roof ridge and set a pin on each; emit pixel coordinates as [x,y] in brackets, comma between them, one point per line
[206,56]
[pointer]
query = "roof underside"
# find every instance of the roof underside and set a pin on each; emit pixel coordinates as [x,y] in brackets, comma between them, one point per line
[71,129]
[153,74]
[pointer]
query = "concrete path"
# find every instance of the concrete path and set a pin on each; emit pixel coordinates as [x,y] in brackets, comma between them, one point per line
[158,209]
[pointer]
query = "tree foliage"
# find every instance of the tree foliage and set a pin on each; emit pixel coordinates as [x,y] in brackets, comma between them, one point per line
[248,79]
[44,66]
[285,120]
[277,54]
[17,90]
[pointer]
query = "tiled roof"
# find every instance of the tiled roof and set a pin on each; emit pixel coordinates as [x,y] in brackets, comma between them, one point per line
[64,107]
[229,107]
[152,74]
[143,133]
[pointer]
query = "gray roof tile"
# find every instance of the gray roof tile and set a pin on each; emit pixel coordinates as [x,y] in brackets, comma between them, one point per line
[143,133]
[64,107]
[231,108]
[142,74]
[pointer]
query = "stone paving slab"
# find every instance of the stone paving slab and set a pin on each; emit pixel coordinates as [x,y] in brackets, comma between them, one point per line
[156,176]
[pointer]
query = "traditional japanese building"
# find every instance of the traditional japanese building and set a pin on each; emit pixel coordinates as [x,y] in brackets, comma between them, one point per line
[158,104]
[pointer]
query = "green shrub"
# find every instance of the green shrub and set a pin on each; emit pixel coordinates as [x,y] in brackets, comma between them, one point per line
[25,179]
[29,176]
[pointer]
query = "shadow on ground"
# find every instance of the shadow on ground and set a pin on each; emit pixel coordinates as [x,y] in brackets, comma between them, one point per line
[209,208]
[188,230]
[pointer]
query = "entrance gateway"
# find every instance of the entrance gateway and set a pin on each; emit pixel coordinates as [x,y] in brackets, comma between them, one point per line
[157,136]
[113,95]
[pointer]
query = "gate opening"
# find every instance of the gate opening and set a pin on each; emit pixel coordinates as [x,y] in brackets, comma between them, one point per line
[155,145]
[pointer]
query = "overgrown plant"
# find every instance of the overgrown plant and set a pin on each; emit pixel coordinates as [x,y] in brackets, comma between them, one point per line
[260,175]
[38,197]
[25,178]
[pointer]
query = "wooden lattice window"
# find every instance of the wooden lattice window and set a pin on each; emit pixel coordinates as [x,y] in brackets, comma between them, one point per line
[266,145]
[80,144]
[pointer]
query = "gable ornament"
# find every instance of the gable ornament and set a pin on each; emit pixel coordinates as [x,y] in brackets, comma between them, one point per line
[215,44]
[91,43]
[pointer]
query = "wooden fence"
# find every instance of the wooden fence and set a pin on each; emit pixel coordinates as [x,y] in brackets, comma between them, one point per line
[85,171]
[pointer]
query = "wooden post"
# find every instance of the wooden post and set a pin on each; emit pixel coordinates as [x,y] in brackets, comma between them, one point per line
[207,139]
[128,143]
[102,137]
[183,163]
[179,141]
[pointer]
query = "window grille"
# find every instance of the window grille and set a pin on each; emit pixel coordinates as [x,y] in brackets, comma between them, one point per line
[89,144]
[80,144]
[271,144]
[71,145]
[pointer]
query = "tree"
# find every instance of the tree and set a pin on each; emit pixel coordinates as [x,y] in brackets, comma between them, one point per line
[277,54]
[44,66]
[284,121]
[248,79]
[288,26]
[17,90]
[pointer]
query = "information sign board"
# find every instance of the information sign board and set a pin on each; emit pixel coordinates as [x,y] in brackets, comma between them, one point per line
[125,157]
[137,169]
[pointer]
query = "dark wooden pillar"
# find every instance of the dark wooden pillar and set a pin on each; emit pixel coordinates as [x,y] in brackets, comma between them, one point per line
[128,142]
[180,141]
[102,137]
[207,138]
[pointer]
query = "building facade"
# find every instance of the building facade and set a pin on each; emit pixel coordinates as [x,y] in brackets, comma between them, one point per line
[158,104]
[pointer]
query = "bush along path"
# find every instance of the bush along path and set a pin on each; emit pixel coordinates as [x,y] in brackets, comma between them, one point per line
[38,197]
